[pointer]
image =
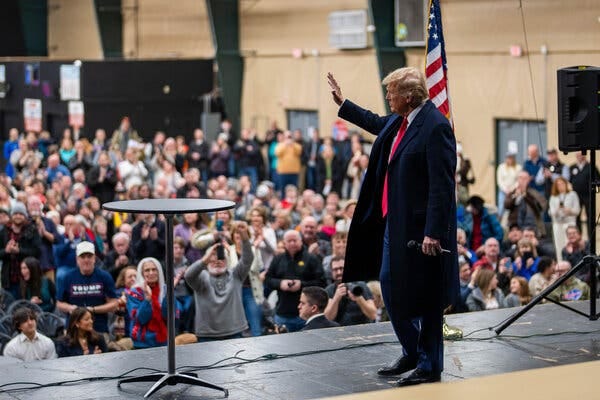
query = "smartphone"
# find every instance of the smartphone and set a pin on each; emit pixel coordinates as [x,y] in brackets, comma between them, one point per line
[220,252]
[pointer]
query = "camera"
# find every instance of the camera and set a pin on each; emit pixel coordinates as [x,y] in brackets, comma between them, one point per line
[220,252]
[220,249]
[355,288]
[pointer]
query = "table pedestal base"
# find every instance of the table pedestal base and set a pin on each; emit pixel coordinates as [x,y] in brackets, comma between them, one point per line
[165,378]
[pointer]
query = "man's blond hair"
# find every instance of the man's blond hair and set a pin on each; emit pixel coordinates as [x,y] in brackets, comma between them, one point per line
[408,80]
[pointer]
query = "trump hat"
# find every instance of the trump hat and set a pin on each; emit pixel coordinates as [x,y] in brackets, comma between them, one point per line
[85,248]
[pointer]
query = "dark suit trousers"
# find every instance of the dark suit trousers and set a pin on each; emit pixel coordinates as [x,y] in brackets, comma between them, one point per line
[421,337]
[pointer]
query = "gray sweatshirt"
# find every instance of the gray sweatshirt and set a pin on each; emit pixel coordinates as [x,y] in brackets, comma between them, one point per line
[219,307]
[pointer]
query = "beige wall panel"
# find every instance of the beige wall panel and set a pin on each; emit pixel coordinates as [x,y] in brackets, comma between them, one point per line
[484,89]
[494,25]
[274,84]
[487,84]
[73,30]
[359,80]
[277,26]
[161,29]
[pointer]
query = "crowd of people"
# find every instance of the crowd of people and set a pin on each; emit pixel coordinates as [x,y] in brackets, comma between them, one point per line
[237,273]
[511,253]
[273,264]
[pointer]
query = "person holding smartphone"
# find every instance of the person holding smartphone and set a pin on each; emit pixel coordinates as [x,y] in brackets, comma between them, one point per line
[218,291]
[526,259]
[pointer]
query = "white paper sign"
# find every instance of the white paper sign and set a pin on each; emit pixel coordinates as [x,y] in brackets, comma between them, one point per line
[3,84]
[76,114]
[69,82]
[513,147]
[32,112]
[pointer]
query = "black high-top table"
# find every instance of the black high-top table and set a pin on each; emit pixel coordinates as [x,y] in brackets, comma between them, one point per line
[169,208]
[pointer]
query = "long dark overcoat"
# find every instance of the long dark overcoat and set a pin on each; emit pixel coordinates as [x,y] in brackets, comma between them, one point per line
[421,202]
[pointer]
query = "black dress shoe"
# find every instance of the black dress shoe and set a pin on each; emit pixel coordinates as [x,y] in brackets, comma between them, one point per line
[400,366]
[419,376]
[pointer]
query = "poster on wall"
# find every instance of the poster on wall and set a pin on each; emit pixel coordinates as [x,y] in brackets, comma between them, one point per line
[69,82]
[32,112]
[76,114]
[32,74]
[3,85]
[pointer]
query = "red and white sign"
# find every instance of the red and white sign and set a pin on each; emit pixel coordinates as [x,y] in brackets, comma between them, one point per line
[340,130]
[32,112]
[76,114]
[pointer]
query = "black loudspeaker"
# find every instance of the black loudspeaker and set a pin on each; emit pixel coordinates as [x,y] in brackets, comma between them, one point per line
[578,108]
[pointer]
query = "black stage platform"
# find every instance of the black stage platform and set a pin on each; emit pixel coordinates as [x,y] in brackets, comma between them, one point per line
[324,374]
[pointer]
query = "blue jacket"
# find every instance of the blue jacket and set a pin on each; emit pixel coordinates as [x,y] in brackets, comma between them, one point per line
[64,250]
[532,169]
[46,250]
[140,315]
[9,147]
[525,272]
[490,226]
[53,173]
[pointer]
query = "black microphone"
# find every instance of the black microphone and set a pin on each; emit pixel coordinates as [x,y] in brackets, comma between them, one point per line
[413,244]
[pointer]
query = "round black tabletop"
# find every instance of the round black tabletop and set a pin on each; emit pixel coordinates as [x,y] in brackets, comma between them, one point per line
[168,206]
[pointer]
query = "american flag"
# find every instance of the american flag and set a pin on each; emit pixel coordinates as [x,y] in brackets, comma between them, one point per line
[436,70]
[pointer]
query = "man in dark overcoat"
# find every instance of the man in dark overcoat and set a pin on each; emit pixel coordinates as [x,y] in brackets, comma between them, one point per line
[407,196]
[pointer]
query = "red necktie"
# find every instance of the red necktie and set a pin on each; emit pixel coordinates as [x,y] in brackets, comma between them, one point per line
[399,135]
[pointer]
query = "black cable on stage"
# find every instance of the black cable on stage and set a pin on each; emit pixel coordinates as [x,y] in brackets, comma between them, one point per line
[472,332]
[548,334]
[265,357]
[275,356]
[465,337]
[35,385]
[241,361]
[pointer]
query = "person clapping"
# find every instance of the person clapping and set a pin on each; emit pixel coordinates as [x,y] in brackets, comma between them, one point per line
[146,305]
[81,338]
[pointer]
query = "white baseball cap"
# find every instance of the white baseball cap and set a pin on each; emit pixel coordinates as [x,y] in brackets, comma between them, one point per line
[85,247]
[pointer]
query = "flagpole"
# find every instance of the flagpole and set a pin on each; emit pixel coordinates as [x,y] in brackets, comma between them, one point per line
[437,85]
